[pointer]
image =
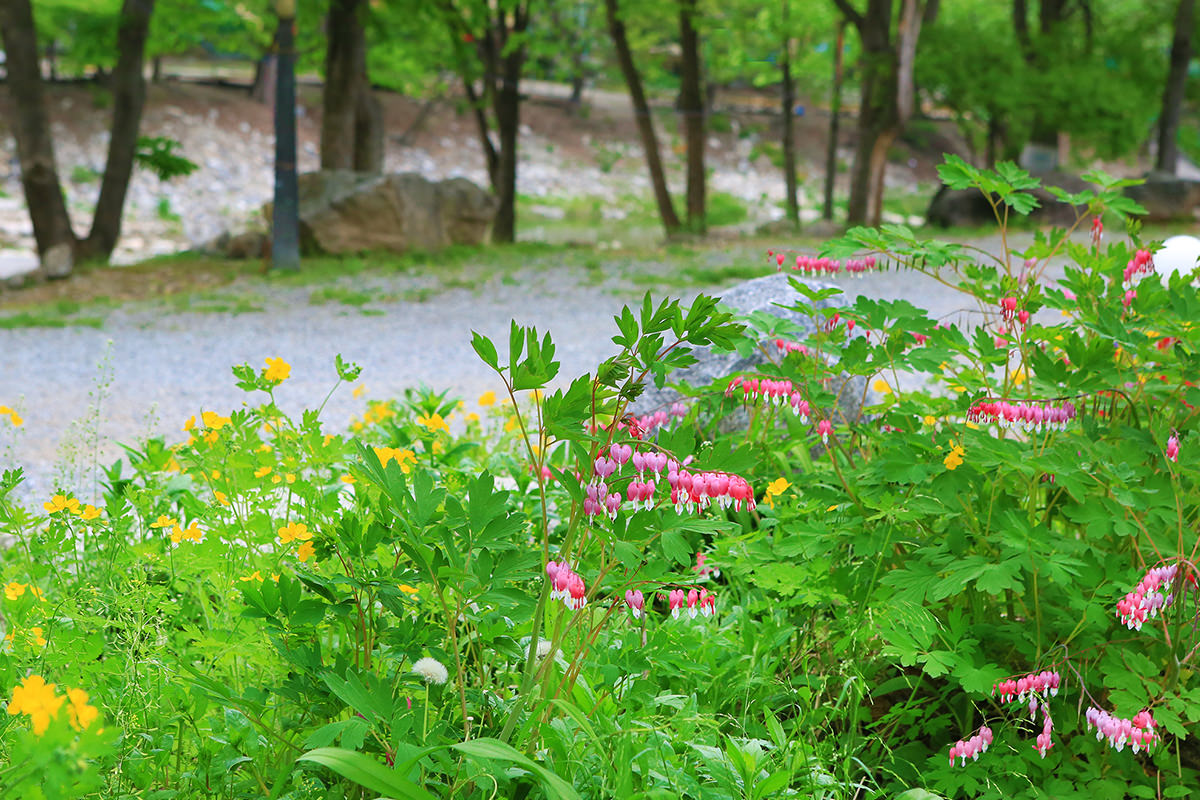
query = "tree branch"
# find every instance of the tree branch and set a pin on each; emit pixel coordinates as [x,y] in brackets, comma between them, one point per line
[849,12]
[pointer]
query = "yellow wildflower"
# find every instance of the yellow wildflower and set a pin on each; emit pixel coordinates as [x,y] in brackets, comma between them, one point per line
[434,423]
[16,419]
[253,576]
[214,420]
[262,472]
[472,417]
[275,479]
[774,489]
[881,386]
[190,424]
[296,531]
[36,592]
[359,390]
[79,713]
[221,498]
[277,370]
[930,421]
[38,638]
[60,503]
[348,479]
[290,478]
[510,424]
[404,587]
[955,458]
[211,437]
[305,552]
[263,448]
[13,590]
[37,700]
[164,521]
[90,512]
[192,534]
[488,398]
[1019,377]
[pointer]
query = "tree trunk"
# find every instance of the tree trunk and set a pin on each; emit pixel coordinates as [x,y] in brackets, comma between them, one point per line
[285,212]
[156,74]
[352,119]
[368,132]
[789,112]
[129,97]
[31,128]
[491,157]
[835,113]
[339,100]
[887,98]
[507,107]
[641,115]
[1172,103]
[691,97]
[266,76]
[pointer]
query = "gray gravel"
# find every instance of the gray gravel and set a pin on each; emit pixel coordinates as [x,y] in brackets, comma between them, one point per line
[163,366]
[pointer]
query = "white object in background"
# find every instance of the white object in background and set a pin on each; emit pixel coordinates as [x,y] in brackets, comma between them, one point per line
[1178,254]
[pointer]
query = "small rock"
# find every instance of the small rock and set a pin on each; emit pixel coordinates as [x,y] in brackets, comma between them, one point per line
[58,261]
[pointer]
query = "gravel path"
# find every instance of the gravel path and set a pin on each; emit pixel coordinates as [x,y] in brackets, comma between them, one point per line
[152,368]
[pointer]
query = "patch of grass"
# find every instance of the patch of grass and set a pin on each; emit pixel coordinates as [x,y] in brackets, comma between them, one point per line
[725,209]
[339,294]
[63,313]
[82,174]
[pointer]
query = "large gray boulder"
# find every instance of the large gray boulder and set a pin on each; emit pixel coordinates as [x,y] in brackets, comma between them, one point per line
[349,212]
[1166,198]
[773,295]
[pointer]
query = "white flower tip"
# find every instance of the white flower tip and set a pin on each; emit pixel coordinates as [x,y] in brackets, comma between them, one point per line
[432,670]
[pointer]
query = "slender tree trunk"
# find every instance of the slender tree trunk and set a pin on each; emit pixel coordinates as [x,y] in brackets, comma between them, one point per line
[266,76]
[339,99]
[129,97]
[835,113]
[285,216]
[789,116]
[491,157]
[1172,104]
[31,128]
[641,115]
[691,97]
[156,74]
[352,120]
[507,107]
[888,98]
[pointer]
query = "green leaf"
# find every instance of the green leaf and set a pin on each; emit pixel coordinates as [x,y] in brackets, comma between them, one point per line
[496,750]
[485,349]
[366,772]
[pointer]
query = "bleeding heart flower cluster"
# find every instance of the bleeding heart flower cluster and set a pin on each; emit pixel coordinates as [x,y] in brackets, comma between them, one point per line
[1137,732]
[700,602]
[702,571]
[1148,598]
[1037,415]
[792,347]
[812,265]
[780,392]
[639,427]
[1142,263]
[971,748]
[566,585]
[696,492]
[689,491]
[1044,684]
[1043,744]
